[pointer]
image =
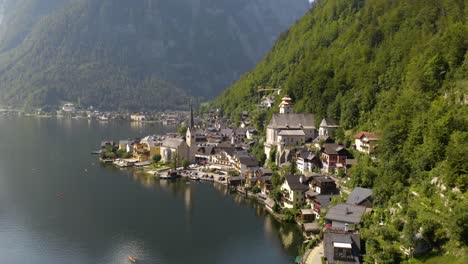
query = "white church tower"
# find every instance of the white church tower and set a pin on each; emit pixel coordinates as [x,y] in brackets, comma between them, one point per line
[286,105]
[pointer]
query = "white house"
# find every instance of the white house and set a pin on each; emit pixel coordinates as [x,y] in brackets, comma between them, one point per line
[366,142]
[293,190]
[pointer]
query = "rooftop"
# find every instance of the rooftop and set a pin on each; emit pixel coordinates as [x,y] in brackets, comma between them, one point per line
[292,121]
[358,195]
[295,184]
[347,213]
[295,132]
[329,122]
[368,135]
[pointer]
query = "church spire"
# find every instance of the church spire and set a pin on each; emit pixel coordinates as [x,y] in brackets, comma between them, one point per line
[192,123]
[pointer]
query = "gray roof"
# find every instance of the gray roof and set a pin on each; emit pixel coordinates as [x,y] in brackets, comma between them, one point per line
[295,184]
[308,227]
[332,236]
[334,149]
[324,199]
[292,121]
[172,142]
[346,213]
[329,122]
[322,179]
[248,161]
[266,171]
[291,132]
[270,202]
[325,139]
[358,195]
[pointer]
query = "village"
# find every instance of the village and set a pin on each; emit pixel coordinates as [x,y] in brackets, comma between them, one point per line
[302,180]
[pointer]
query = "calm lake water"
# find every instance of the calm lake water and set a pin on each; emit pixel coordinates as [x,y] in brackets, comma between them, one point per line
[106,214]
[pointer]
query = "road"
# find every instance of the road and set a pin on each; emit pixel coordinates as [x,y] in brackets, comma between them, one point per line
[315,257]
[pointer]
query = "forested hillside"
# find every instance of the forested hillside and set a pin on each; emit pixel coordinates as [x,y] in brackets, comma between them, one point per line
[119,54]
[398,68]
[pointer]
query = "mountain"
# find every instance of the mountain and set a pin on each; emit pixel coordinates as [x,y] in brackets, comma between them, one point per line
[397,68]
[146,54]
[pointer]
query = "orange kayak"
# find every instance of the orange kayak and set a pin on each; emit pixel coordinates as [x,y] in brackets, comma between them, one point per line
[132,259]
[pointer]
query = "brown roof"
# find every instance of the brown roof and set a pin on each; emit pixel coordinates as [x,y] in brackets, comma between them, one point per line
[368,135]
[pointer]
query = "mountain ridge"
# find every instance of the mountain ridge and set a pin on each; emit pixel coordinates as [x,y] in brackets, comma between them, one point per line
[396,68]
[199,51]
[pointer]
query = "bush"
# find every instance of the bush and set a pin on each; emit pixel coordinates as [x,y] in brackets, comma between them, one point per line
[256,189]
[157,158]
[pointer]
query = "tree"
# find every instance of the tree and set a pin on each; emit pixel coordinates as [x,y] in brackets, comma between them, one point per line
[120,153]
[185,163]
[276,179]
[293,167]
[459,222]
[182,130]
[157,158]
[110,155]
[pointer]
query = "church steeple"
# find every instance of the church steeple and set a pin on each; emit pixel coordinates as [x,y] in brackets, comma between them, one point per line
[192,123]
[286,106]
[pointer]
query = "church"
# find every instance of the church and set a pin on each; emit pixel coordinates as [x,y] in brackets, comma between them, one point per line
[288,130]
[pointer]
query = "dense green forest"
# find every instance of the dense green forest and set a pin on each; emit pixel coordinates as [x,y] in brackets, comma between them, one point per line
[398,68]
[147,54]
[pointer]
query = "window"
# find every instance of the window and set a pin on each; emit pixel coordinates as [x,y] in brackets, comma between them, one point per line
[343,254]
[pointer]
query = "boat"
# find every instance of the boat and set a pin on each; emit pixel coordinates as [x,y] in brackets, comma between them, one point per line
[132,259]
[96,152]
[123,163]
[194,178]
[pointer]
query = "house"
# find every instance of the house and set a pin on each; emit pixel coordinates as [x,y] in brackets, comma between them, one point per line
[360,196]
[307,215]
[366,142]
[320,140]
[319,201]
[138,117]
[251,133]
[323,185]
[244,162]
[152,144]
[293,190]
[126,145]
[204,153]
[332,155]
[327,127]
[345,215]
[68,108]
[341,246]
[172,148]
[224,156]
[287,129]
[267,102]
[140,153]
[306,161]
[322,190]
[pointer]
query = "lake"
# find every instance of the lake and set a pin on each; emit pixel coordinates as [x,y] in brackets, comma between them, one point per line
[106,214]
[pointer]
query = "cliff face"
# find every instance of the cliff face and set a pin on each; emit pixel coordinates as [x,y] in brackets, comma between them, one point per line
[114,48]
